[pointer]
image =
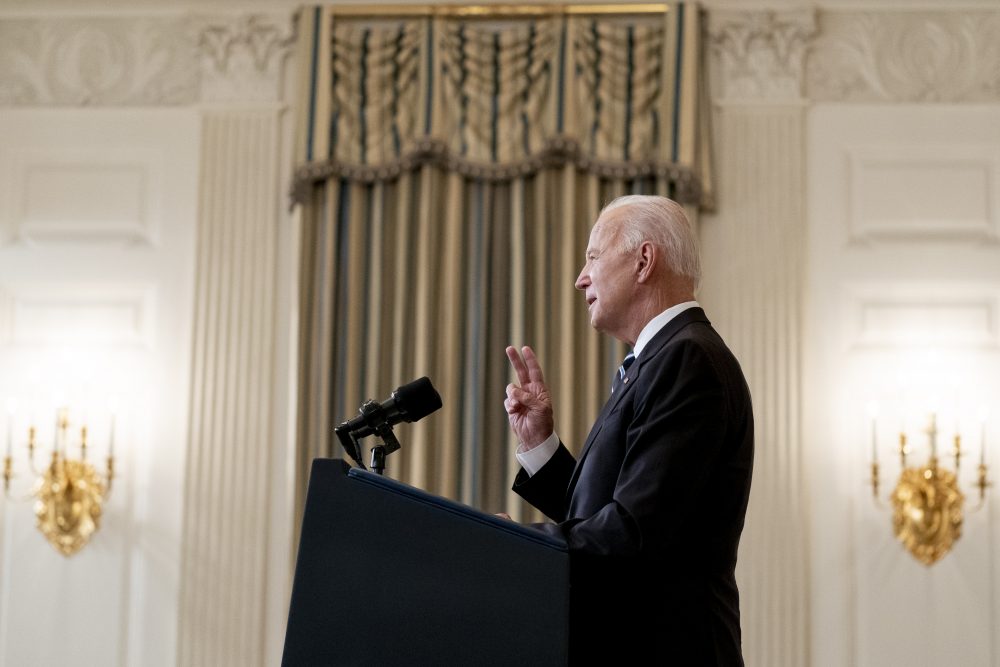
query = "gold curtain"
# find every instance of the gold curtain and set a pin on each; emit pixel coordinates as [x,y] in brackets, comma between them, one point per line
[450,171]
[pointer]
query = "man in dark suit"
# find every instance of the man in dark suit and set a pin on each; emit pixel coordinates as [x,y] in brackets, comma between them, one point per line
[653,507]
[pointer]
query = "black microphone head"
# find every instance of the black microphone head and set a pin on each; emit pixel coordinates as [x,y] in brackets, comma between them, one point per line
[415,400]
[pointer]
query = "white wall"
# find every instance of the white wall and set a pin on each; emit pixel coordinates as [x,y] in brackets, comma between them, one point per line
[97,221]
[903,304]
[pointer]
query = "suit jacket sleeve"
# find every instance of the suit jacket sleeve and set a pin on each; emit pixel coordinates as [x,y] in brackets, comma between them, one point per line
[546,489]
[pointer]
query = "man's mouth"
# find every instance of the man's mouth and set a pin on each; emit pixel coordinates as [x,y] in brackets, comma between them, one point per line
[590,301]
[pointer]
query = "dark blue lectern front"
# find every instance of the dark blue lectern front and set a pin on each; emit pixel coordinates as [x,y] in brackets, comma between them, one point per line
[390,575]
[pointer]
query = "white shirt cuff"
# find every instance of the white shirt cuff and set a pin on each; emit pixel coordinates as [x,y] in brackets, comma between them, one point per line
[533,459]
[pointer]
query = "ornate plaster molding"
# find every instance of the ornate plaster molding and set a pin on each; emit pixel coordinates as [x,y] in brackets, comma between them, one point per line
[241,59]
[96,62]
[142,61]
[923,56]
[759,56]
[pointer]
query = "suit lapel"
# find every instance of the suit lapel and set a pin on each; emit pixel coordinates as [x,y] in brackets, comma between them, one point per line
[653,348]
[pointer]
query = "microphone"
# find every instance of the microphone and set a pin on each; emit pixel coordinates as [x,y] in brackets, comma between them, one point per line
[409,403]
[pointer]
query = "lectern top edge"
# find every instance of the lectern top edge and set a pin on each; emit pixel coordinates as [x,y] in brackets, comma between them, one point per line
[465,511]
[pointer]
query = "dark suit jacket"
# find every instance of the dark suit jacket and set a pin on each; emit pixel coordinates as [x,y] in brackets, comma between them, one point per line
[653,509]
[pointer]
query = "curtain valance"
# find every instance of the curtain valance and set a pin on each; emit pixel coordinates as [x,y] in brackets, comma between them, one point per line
[501,97]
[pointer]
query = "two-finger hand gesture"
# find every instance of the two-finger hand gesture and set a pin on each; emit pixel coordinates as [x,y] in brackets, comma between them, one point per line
[528,403]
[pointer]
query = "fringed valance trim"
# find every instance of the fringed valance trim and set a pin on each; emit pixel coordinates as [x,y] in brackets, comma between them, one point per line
[557,152]
[616,96]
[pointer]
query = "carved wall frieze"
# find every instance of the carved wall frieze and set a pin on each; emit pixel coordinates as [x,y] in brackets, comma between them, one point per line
[906,57]
[759,56]
[96,62]
[142,61]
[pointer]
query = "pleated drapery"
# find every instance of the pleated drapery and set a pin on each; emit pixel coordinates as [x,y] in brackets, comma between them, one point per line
[451,167]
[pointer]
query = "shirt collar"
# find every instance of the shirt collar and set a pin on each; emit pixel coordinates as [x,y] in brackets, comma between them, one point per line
[654,325]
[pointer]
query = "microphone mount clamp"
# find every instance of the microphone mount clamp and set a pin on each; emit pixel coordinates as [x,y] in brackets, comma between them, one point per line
[378,422]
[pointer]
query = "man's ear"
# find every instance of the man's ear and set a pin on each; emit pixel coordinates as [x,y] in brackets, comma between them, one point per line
[646,261]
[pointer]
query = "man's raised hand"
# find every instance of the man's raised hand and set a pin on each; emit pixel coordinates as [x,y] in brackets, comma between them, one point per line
[528,403]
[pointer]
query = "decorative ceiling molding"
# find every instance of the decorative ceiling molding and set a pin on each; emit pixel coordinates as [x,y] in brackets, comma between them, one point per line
[939,56]
[759,55]
[142,61]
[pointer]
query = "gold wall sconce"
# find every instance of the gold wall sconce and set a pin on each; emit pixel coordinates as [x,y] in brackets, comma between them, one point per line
[69,493]
[927,502]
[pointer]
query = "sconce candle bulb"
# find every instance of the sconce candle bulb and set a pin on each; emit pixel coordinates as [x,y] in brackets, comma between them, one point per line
[982,438]
[932,432]
[982,482]
[10,427]
[874,449]
[113,409]
[873,413]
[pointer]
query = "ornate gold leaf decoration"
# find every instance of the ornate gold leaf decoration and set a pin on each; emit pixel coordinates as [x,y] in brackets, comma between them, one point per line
[68,509]
[927,511]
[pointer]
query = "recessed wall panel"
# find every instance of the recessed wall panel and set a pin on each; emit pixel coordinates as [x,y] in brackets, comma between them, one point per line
[903,193]
[85,195]
[965,322]
[114,314]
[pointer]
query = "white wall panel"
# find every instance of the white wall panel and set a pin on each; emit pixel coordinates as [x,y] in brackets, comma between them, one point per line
[78,193]
[88,317]
[906,321]
[909,192]
[89,198]
[73,313]
[925,314]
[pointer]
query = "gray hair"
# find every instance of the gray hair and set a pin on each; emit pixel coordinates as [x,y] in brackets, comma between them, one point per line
[662,222]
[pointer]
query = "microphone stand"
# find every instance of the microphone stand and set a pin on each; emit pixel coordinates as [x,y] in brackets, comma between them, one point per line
[388,446]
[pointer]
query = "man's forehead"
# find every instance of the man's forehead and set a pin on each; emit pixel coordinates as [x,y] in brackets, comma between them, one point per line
[604,229]
[596,240]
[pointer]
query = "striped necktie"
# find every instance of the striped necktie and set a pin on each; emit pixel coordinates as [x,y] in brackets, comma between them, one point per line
[618,379]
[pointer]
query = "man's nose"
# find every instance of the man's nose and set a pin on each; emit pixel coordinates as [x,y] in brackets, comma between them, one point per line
[582,280]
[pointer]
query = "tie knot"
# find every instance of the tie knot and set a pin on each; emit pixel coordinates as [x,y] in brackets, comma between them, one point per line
[626,362]
[618,379]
